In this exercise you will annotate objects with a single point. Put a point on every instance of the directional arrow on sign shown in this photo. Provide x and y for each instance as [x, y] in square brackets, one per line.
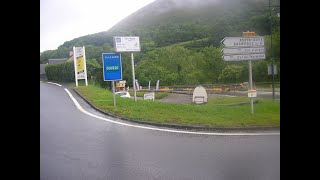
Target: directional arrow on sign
[251, 50]
[242, 57]
[243, 41]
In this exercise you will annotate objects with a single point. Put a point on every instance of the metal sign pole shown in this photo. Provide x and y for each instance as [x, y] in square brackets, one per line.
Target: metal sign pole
[85, 65]
[128, 44]
[133, 78]
[75, 65]
[272, 68]
[250, 85]
[114, 94]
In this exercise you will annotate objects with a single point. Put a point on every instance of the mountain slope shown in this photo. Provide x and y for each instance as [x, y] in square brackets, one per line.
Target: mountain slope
[166, 22]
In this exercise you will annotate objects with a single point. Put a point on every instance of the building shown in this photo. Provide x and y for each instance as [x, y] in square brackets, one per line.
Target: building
[42, 70]
[56, 61]
[50, 61]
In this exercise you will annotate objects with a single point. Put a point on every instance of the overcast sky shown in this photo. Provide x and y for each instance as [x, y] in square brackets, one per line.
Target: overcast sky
[64, 20]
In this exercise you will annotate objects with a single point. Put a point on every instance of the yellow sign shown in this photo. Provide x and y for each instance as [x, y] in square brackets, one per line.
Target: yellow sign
[248, 34]
[252, 93]
[80, 64]
[120, 84]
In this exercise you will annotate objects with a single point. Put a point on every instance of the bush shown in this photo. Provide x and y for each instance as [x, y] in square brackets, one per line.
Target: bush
[98, 78]
[62, 72]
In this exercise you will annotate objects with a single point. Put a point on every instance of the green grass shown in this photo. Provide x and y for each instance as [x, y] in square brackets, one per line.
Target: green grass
[216, 113]
[158, 95]
[81, 82]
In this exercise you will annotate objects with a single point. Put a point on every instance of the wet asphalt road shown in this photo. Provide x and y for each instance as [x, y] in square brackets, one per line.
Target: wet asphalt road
[75, 146]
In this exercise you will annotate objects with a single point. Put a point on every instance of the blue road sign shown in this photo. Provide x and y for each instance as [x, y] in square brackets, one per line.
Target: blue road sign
[112, 67]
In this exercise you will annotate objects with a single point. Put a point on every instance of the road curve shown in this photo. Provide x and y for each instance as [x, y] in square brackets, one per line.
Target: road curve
[75, 145]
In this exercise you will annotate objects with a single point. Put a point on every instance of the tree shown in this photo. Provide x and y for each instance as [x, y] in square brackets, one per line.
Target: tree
[149, 71]
[212, 64]
[231, 73]
[92, 65]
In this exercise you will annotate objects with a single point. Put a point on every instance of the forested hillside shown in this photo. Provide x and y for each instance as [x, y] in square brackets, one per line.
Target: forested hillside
[180, 40]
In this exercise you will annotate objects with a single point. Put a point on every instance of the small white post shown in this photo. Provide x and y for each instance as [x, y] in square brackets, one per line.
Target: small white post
[75, 66]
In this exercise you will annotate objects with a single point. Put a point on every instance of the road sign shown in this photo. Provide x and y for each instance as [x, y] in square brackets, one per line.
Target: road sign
[149, 96]
[112, 67]
[252, 93]
[250, 50]
[270, 69]
[241, 57]
[248, 34]
[80, 67]
[127, 44]
[243, 41]
[80, 61]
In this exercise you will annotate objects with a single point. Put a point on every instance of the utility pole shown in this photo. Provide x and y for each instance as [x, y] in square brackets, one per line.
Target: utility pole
[271, 48]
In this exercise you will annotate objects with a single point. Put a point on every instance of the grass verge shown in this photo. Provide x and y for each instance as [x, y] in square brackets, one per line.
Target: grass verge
[216, 113]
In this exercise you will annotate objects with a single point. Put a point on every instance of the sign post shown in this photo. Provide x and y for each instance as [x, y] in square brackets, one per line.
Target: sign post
[75, 66]
[250, 47]
[79, 61]
[250, 85]
[85, 65]
[157, 85]
[112, 69]
[114, 94]
[133, 78]
[128, 44]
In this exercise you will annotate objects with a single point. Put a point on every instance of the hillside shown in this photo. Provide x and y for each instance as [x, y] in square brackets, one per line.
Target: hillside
[166, 22]
[180, 27]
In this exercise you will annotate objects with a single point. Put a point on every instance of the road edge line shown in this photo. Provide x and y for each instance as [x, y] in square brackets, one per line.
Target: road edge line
[161, 129]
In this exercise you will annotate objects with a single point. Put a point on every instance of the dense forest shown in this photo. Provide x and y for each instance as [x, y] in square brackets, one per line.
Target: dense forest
[180, 41]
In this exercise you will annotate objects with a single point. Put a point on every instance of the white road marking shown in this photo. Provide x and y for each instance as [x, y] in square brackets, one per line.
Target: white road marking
[166, 130]
[54, 83]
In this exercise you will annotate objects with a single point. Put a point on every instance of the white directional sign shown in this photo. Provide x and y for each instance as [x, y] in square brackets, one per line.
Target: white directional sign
[243, 41]
[127, 44]
[240, 57]
[251, 50]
